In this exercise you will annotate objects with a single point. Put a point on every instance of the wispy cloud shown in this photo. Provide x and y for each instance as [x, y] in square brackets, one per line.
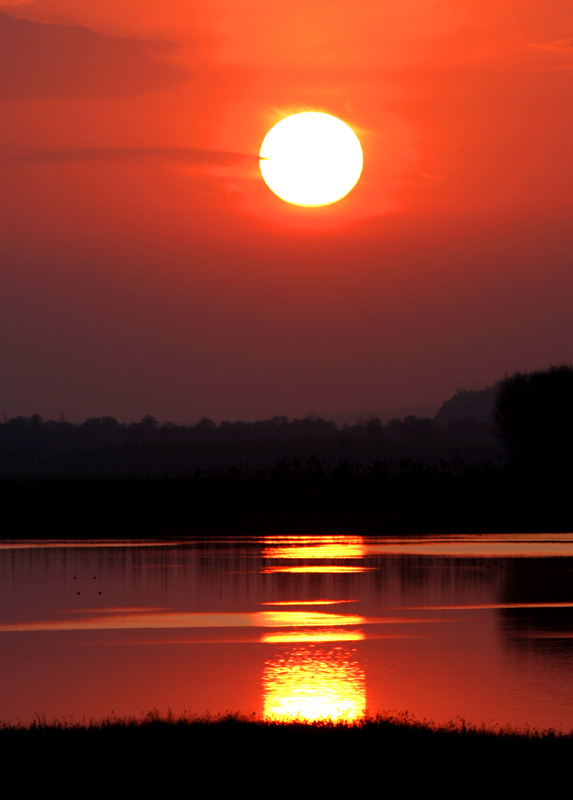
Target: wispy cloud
[47, 60]
[554, 46]
[184, 155]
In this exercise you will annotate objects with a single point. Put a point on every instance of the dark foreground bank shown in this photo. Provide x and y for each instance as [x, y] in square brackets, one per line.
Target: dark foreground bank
[404, 497]
[253, 757]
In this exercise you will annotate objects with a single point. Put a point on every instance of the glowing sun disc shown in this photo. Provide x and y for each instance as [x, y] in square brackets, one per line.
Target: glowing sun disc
[311, 159]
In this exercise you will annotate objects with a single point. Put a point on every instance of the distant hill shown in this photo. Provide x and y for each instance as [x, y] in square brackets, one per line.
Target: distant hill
[465, 405]
[341, 418]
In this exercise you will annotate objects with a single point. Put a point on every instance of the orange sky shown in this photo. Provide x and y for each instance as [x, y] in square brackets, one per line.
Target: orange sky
[145, 268]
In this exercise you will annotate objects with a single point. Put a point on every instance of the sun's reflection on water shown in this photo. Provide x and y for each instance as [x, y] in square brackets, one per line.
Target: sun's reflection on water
[314, 681]
[315, 547]
[315, 673]
[324, 568]
[333, 635]
[283, 619]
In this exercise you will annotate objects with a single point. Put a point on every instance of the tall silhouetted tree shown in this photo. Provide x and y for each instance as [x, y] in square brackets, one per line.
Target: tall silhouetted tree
[533, 416]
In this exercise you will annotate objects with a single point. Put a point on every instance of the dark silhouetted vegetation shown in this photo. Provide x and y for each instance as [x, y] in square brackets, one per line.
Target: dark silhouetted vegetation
[533, 415]
[104, 478]
[103, 446]
[382, 498]
[228, 753]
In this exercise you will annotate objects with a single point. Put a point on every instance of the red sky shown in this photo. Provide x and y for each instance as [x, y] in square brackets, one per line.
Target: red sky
[145, 268]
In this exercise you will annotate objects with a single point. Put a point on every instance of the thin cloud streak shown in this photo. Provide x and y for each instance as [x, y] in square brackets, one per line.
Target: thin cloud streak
[186, 155]
[555, 46]
[45, 60]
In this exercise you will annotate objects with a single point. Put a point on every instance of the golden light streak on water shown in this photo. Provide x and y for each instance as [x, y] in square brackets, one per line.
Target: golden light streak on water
[330, 635]
[539, 545]
[315, 547]
[83, 544]
[326, 568]
[311, 683]
[307, 619]
[305, 602]
[117, 619]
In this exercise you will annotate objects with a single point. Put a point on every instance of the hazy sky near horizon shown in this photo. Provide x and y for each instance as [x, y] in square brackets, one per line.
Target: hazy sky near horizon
[145, 267]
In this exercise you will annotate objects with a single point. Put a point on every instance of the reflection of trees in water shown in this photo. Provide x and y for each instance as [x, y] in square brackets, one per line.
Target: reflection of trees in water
[224, 575]
[436, 580]
[538, 580]
[395, 580]
[230, 576]
[543, 630]
[537, 634]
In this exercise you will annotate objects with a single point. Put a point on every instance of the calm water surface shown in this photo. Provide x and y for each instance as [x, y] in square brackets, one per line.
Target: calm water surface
[472, 627]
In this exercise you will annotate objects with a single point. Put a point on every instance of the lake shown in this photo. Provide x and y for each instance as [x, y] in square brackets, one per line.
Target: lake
[442, 627]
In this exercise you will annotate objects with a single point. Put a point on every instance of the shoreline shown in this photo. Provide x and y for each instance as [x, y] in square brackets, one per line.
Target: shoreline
[384, 724]
[410, 499]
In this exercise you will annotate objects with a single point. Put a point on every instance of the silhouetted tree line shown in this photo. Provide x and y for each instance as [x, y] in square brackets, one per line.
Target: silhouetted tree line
[103, 445]
[297, 476]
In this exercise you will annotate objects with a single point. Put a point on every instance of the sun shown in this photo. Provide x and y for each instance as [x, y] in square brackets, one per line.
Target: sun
[311, 159]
